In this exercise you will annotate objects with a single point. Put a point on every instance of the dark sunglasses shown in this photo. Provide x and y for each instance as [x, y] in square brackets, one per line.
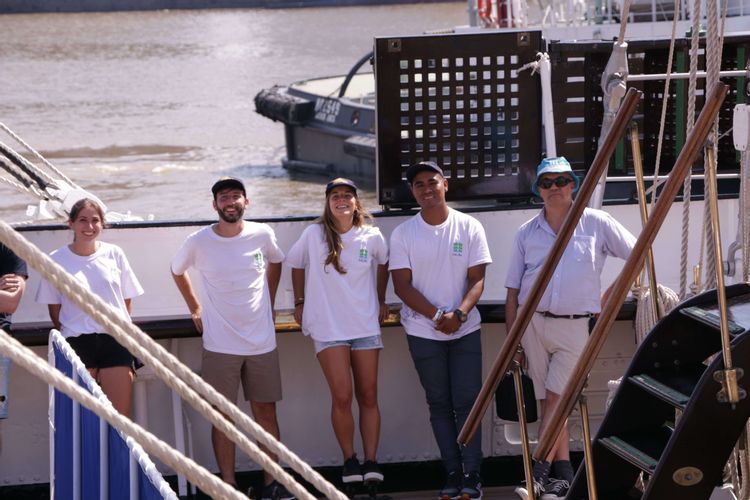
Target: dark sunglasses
[560, 181]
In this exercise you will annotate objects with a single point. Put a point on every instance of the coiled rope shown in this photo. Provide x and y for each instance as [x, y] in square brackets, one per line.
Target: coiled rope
[175, 375]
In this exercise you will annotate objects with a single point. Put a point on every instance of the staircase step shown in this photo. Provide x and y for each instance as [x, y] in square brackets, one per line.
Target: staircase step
[642, 448]
[674, 388]
[711, 318]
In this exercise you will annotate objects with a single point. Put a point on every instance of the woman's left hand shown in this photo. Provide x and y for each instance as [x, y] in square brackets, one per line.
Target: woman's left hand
[384, 312]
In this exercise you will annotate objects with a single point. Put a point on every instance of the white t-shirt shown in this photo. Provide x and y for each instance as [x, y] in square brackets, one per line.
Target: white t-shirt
[439, 258]
[340, 306]
[106, 273]
[237, 316]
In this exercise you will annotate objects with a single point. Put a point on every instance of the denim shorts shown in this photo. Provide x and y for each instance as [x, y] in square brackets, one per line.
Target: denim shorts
[361, 344]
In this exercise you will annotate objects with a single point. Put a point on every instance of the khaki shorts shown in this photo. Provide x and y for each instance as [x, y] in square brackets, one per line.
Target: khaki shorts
[260, 375]
[552, 347]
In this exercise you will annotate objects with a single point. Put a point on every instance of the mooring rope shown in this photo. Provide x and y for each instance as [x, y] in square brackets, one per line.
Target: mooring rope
[25, 358]
[177, 376]
[37, 154]
[688, 184]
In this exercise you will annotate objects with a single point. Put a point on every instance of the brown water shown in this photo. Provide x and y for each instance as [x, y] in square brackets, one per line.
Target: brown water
[147, 109]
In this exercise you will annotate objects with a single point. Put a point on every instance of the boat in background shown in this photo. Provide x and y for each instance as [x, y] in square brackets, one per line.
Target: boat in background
[329, 122]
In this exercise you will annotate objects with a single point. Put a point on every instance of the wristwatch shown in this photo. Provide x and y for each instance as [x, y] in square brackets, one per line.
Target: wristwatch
[462, 317]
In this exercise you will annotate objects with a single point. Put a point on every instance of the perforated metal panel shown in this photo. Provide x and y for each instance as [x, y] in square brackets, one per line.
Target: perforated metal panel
[458, 100]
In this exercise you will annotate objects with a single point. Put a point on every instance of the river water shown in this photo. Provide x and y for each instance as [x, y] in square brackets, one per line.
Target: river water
[147, 109]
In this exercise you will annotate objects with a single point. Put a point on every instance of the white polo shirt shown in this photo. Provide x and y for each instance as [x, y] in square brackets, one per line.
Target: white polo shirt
[340, 306]
[439, 258]
[575, 287]
[237, 316]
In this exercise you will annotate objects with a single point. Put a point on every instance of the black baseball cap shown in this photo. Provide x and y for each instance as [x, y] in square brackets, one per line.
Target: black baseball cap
[227, 183]
[340, 181]
[422, 166]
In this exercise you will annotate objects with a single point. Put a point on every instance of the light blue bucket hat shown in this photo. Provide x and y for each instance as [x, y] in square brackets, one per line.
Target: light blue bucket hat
[557, 165]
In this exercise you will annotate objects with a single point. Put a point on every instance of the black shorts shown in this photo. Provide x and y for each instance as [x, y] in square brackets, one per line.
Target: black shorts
[100, 350]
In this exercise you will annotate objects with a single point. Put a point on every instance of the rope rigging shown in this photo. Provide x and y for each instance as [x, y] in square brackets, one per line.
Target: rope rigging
[175, 375]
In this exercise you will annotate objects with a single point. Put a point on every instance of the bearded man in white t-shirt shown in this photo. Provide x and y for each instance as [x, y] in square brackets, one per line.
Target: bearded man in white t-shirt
[438, 261]
[239, 264]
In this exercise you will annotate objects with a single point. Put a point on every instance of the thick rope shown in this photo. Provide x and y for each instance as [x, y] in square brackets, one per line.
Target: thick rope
[136, 450]
[624, 21]
[687, 185]
[37, 154]
[25, 358]
[666, 300]
[664, 102]
[745, 213]
[177, 376]
[713, 66]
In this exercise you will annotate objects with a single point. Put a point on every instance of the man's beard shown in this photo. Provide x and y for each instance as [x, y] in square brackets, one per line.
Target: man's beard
[231, 218]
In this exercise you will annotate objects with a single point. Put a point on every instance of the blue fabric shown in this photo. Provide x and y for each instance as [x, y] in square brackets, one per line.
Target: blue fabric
[451, 375]
[63, 436]
[119, 466]
[90, 452]
[146, 489]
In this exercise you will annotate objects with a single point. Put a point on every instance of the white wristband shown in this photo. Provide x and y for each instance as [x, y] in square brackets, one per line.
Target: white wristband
[438, 314]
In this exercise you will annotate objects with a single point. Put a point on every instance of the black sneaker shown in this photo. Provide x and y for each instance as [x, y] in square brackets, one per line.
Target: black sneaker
[452, 487]
[555, 489]
[371, 471]
[523, 492]
[276, 491]
[351, 472]
[472, 486]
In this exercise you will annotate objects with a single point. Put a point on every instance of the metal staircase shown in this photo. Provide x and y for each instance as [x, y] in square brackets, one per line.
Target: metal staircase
[672, 373]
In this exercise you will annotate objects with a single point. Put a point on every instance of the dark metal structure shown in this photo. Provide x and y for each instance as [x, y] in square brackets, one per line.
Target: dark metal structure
[458, 99]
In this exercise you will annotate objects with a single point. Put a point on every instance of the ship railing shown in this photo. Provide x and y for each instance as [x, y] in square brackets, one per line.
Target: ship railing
[115, 465]
[619, 290]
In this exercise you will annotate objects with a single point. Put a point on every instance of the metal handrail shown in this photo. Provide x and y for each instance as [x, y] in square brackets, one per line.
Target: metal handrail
[630, 270]
[513, 340]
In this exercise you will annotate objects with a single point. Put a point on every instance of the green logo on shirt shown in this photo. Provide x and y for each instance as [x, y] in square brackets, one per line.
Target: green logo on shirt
[258, 260]
[363, 254]
[458, 249]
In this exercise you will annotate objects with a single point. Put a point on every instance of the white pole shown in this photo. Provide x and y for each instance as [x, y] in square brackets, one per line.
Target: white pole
[103, 459]
[548, 116]
[178, 424]
[51, 420]
[76, 433]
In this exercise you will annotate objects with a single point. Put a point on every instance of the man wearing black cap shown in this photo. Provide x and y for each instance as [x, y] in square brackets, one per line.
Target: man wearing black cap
[438, 260]
[239, 264]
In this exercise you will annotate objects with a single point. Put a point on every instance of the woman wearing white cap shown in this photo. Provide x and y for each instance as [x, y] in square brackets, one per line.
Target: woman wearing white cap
[340, 304]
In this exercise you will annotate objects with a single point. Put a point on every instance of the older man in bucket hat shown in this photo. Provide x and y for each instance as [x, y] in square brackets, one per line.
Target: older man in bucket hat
[558, 329]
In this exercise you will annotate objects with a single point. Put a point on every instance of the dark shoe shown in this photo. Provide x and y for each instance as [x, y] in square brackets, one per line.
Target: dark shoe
[555, 489]
[472, 487]
[523, 492]
[371, 471]
[452, 487]
[351, 472]
[276, 491]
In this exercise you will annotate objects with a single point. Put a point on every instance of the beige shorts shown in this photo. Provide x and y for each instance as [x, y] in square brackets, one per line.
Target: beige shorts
[552, 347]
[260, 375]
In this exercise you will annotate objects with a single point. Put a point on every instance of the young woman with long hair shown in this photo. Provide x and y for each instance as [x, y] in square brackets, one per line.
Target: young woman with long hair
[340, 303]
[105, 270]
